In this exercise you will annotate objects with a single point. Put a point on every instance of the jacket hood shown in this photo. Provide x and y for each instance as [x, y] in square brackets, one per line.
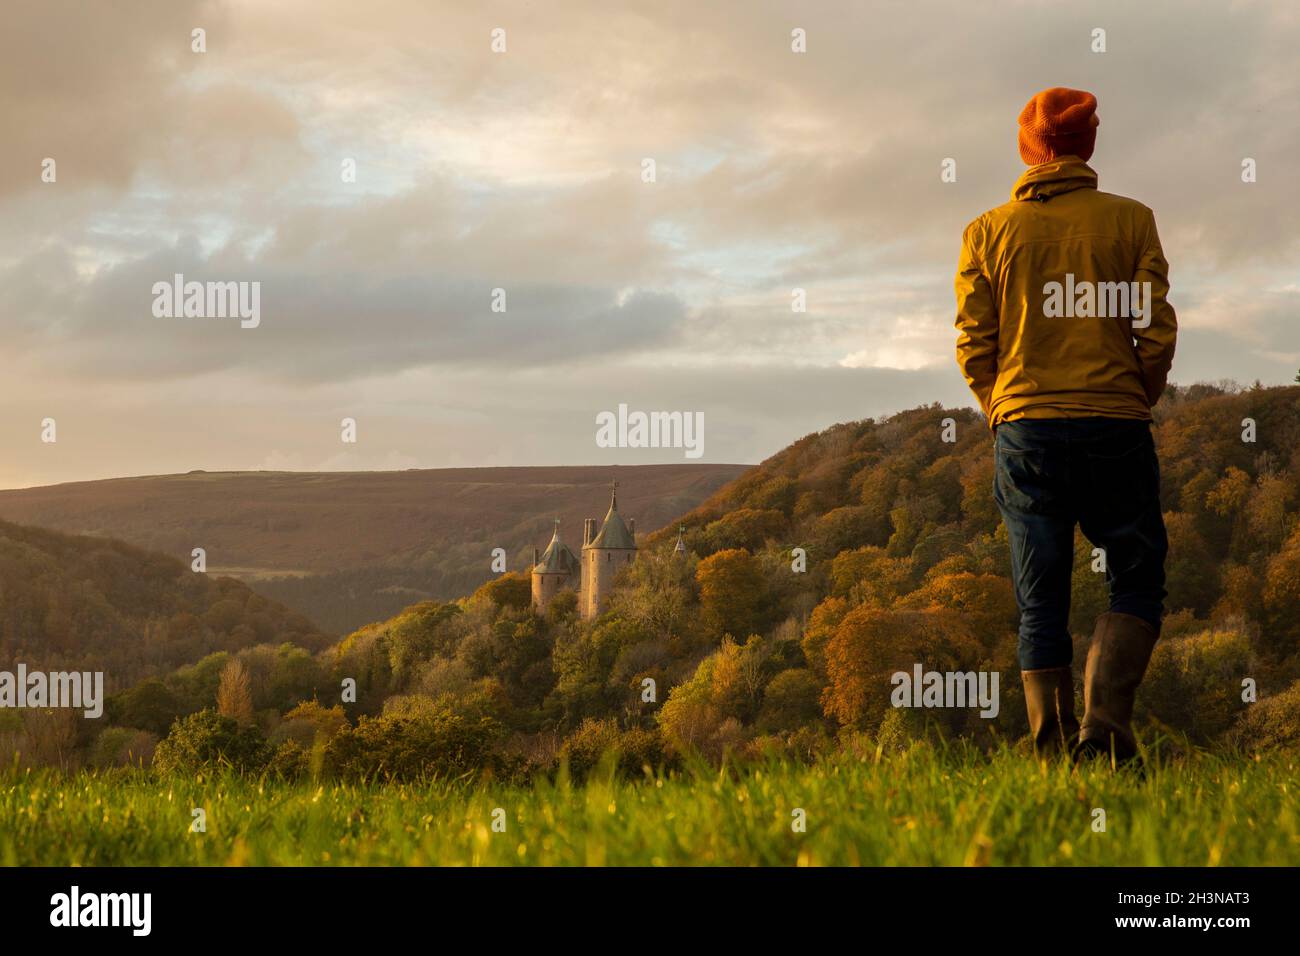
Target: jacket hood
[1062, 175]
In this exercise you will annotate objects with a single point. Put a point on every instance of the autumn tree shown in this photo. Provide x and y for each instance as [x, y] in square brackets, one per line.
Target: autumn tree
[1227, 497]
[869, 575]
[823, 621]
[851, 526]
[657, 593]
[987, 601]
[689, 718]
[870, 645]
[1191, 574]
[941, 483]
[732, 592]
[979, 510]
[1268, 516]
[234, 694]
[1282, 591]
[744, 528]
[738, 677]
[706, 713]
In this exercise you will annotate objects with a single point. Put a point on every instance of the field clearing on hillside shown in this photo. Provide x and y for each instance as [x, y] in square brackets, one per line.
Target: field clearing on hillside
[919, 808]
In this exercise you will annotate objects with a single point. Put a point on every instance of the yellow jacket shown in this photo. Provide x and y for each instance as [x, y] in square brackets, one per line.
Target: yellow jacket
[1054, 314]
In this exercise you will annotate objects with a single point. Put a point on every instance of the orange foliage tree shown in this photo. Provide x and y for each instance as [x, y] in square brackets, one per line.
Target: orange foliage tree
[732, 592]
[871, 644]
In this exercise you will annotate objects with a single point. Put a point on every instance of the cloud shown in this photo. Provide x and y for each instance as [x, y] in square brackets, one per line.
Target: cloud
[522, 171]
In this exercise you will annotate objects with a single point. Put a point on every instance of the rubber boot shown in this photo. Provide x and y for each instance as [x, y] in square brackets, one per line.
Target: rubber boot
[1117, 658]
[1049, 700]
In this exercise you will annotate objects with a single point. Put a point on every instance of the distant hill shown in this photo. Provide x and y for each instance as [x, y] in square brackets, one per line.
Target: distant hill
[347, 548]
[94, 604]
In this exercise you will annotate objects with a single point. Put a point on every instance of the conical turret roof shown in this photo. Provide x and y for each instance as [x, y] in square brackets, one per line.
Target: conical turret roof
[613, 532]
[558, 557]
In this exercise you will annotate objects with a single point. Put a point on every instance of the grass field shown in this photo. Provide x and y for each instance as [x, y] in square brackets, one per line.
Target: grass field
[919, 808]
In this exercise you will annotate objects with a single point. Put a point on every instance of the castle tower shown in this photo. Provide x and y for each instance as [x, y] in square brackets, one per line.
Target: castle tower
[557, 569]
[604, 554]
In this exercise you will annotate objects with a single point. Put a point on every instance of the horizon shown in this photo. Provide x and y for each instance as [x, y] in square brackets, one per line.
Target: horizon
[376, 471]
[968, 406]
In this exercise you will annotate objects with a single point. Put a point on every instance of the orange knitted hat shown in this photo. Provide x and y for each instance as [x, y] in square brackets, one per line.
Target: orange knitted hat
[1058, 122]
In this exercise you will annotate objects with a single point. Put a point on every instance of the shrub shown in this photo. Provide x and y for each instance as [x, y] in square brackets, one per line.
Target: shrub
[206, 740]
[800, 746]
[438, 743]
[289, 761]
[634, 750]
[123, 747]
[309, 723]
[1273, 722]
[1194, 683]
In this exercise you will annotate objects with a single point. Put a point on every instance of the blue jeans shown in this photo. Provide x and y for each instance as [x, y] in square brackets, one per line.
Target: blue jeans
[1101, 473]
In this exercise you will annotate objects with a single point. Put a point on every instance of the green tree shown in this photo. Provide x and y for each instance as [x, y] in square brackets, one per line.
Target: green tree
[149, 705]
[792, 699]
[514, 589]
[207, 740]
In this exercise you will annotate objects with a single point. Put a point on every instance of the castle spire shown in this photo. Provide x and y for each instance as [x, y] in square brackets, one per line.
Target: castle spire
[614, 532]
[605, 552]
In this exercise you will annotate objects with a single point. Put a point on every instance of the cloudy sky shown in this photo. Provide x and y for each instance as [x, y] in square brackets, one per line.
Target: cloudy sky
[522, 171]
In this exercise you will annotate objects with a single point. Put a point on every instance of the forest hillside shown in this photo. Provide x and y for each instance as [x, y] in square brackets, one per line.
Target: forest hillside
[858, 552]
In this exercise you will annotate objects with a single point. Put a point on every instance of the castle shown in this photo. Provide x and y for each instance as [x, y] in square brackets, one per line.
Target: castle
[604, 552]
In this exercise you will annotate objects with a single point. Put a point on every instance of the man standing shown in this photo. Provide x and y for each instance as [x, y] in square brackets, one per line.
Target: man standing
[1066, 339]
